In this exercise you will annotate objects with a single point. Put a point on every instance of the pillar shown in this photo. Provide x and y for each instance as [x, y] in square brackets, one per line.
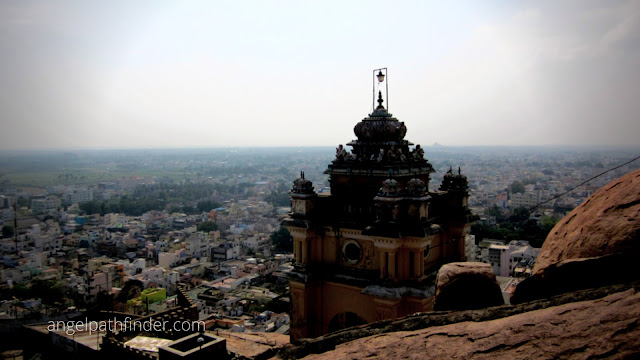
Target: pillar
[298, 251]
[304, 251]
[392, 264]
[383, 264]
[418, 264]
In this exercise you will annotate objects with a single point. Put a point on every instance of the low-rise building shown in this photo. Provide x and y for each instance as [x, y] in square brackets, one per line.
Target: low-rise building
[504, 258]
[43, 206]
[527, 199]
[226, 251]
[78, 196]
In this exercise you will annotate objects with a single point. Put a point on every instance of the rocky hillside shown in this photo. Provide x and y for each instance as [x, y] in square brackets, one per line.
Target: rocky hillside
[594, 329]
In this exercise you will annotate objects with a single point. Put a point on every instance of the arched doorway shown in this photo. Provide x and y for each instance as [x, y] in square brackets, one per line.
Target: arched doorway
[345, 320]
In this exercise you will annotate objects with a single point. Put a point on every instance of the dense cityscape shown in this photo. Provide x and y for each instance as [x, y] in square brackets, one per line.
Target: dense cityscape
[127, 231]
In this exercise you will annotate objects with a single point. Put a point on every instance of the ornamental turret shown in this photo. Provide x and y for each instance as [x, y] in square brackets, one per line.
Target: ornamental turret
[302, 197]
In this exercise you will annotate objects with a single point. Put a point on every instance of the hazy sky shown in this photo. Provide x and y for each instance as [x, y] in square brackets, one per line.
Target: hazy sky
[139, 74]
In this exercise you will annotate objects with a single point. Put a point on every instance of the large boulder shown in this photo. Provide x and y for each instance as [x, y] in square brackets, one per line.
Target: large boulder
[596, 244]
[466, 286]
[606, 223]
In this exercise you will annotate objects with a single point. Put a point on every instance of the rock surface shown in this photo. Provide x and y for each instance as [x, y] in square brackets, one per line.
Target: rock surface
[576, 274]
[466, 286]
[602, 328]
[606, 223]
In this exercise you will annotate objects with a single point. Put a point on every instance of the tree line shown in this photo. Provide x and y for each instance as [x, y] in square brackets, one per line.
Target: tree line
[185, 198]
[517, 226]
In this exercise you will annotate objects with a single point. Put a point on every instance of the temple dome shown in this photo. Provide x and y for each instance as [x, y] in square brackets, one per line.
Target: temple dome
[453, 181]
[416, 187]
[390, 187]
[302, 185]
[380, 126]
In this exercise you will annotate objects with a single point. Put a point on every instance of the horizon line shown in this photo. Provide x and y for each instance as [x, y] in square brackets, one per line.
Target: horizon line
[432, 146]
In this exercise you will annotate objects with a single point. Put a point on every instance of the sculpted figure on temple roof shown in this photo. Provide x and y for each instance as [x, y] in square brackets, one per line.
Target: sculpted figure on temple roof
[418, 153]
[341, 153]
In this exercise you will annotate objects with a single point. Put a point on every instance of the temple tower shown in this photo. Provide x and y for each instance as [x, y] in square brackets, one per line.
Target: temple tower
[370, 250]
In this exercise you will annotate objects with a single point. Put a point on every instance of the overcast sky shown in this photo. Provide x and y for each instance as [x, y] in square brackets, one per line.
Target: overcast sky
[157, 74]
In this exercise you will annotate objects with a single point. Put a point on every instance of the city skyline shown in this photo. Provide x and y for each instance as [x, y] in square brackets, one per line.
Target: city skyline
[173, 75]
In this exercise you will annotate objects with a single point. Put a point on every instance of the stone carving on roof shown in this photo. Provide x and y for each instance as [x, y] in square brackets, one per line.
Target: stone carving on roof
[416, 188]
[390, 187]
[341, 153]
[417, 153]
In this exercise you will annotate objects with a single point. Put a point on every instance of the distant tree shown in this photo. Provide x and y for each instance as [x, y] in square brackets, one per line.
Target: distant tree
[256, 308]
[188, 209]
[130, 290]
[518, 226]
[49, 291]
[516, 187]
[7, 231]
[480, 230]
[530, 229]
[92, 207]
[207, 226]
[282, 240]
[207, 205]
[23, 201]
[520, 214]
[243, 186]
[548, 222]
[496, 212]
[278, 199]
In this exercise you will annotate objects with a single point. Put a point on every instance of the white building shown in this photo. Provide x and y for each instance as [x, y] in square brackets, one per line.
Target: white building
[470, 248]
[197, 245]
[167, 260]
[99, 282]
[95, 264]
[527, 200]
[6, 215]
[499, 259]
[159, 277]
[78, 196]
[37, 258]
[14, 275]
[5, 202]
[8, 245]
[137, 265]
[257, 243]
[503, 258]
[47, 243]
[112, 219]
[226, 251]
[43, 206]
